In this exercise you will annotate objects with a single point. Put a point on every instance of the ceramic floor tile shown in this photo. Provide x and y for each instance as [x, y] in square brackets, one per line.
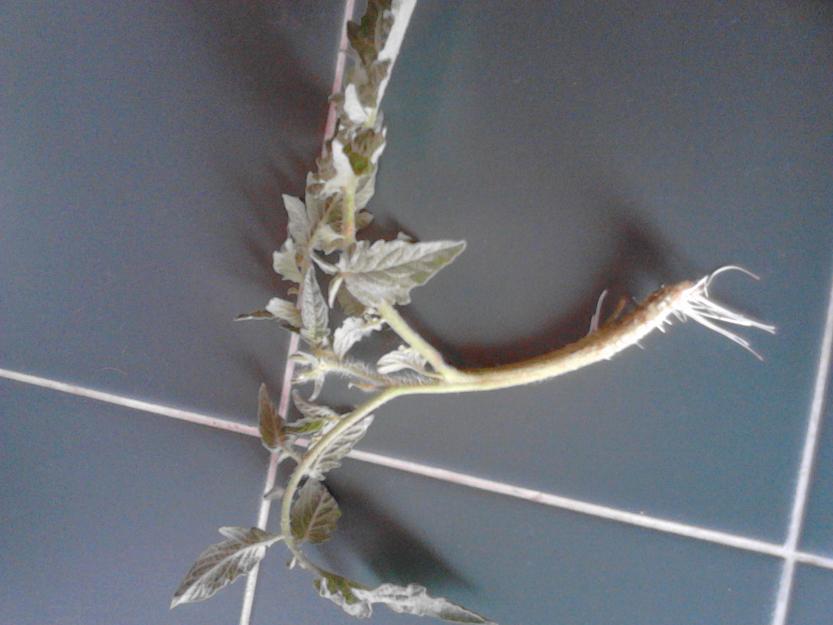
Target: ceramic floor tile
[105, 509]
[625, 147]
[146, 150]
[812, 602]
[515, 562]
[817, 534]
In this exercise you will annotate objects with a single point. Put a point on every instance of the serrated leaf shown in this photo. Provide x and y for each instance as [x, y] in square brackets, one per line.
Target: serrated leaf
[353, 330]
[281, 311]
[335, 285]
[315, 417]
[402, 358]
[222, 563]
[342, 167]
[304, 426]
[414, 599]
[332, 457]
[314, 513]
[386, 271]
[255, 314]
[357, 600]
[349, 304]
[285, 311]
[314, 314]
[354, 110]
[327, 239]
[299, 225]
[270, 422]
[284, 262]
[313, 411]
[341, 591]
[314, 371]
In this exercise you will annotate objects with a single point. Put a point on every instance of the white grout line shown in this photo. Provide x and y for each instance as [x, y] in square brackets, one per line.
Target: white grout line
[455, 477]
[805, 471]
[815, 560]
[262, 520]
[137, 404]
[576, 505]
[286, 385]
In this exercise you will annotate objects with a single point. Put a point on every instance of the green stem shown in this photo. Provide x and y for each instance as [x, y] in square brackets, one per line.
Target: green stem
[348, 214]
[312, 456]
[357, 371]
[604, 343]
[415, 340]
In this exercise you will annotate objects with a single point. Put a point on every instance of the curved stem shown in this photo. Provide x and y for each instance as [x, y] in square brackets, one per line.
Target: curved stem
[601, 344]
[309, 460]
[348, 214]
[355, 370]
[415, 340]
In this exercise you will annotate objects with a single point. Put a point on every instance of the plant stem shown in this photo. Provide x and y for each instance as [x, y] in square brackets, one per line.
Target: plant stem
[348, 215]
[610, 339]
[356, 370]
[309, 460]
[415, 340]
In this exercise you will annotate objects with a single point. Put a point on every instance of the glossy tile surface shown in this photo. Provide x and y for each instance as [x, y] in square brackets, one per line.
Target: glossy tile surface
[146, 150]
[813, 599]
[817, 535]
[105, 509]
[575, 148]
[620, 147]
[518, 562]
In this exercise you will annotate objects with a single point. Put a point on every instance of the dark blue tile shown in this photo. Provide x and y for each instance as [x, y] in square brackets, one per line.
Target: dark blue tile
[146, 150]
[812, 601]
[817, 533]
[516, 562]
[622, 146]
[105, 509]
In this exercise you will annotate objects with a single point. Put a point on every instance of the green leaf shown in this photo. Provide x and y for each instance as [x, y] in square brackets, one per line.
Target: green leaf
[332, 457]
[414, 599]
[357, 600]
[304, 426]
[315, 417]
[277, 309]
[314, 513]
[310, 369]
[371, 31]
[402, 358]
[349, 304]
[313, 411]
[270, 422]
[358, 162]
[222, 563]
[341, 591]
[299, 224]
[386, 271]
[285, 263]
[314, 314]
[285, 311]
[353, 330]
[255, 314]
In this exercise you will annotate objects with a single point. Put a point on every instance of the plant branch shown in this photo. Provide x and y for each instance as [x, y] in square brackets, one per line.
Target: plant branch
[309, 459]
[355, 370]
[678, 301]
[415, 340]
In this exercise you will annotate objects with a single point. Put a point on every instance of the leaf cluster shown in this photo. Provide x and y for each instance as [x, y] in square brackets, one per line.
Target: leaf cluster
[361, 279]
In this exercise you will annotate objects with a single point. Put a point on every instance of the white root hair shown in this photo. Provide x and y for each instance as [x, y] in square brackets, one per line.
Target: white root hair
[696, 304]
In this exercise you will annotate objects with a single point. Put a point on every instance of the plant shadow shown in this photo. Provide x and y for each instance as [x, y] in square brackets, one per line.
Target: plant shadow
[392, 552]
[641, 261]
[258, 47]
